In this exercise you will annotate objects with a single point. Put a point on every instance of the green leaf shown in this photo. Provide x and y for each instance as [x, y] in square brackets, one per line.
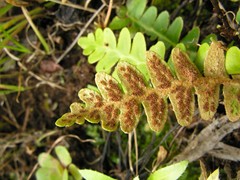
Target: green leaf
[162, 22]
[124, 41]
[214, 175]
[201, 55]
[75, 172]
[136, 7]
[47, 161]
[103, 49]
[65, 175]
[232, 62]
[208, 39]
[159, 48]
[118, 23]
[138, 50]
[63, 155]
[139, 17]
[238, 16]
[136, 178]
[171, 172]
[92, 175]
[45, 173]
[191, 39]
[174, 30]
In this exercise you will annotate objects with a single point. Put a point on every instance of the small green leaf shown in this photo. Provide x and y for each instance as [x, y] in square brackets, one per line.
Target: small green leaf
[136, 7]
[232, 62]
[238, 16]
[109, 38]
[209, 38]
[159, 48]
[139, 47]
[162, 21]
[74, 172]
[45, 173]
[124, 41]
[93, 175]
[47, 161]
[174, 30]
[65, 175]
[201, 55]
[63, 155]
[191, 39]
[118, 23]
[136, 178]
[150, 12]
[171, 172]
[214, 175]
[96, 55]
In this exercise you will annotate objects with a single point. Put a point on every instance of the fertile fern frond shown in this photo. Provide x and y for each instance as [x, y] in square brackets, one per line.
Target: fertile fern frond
[138, 17]
[113, 105]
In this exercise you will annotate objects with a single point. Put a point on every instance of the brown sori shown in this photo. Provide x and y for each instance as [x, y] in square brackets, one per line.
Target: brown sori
[124, 103]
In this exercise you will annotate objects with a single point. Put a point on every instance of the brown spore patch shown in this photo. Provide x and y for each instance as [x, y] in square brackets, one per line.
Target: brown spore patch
[94, 115]
[114, 92]
[110, 113]
[184, 99]
[130, 114]
[133, 80]
[185, 69]
[160, 74]
[206, 106]
[104, 83]
[157, 104]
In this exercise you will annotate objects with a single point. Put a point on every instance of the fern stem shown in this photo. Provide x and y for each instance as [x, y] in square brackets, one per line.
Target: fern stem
[130, 152]
[136, 149]
[152, 30]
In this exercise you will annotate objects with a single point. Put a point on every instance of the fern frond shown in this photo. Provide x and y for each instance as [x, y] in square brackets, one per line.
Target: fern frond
[113, 105]
[103, 48]
[138, 17]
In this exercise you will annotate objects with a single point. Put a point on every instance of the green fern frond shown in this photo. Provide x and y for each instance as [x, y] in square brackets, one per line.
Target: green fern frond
[102, 48]
[138, 17]
[112, 105]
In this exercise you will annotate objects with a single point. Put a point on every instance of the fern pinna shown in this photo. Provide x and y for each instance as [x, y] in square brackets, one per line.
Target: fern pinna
[114, 105]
